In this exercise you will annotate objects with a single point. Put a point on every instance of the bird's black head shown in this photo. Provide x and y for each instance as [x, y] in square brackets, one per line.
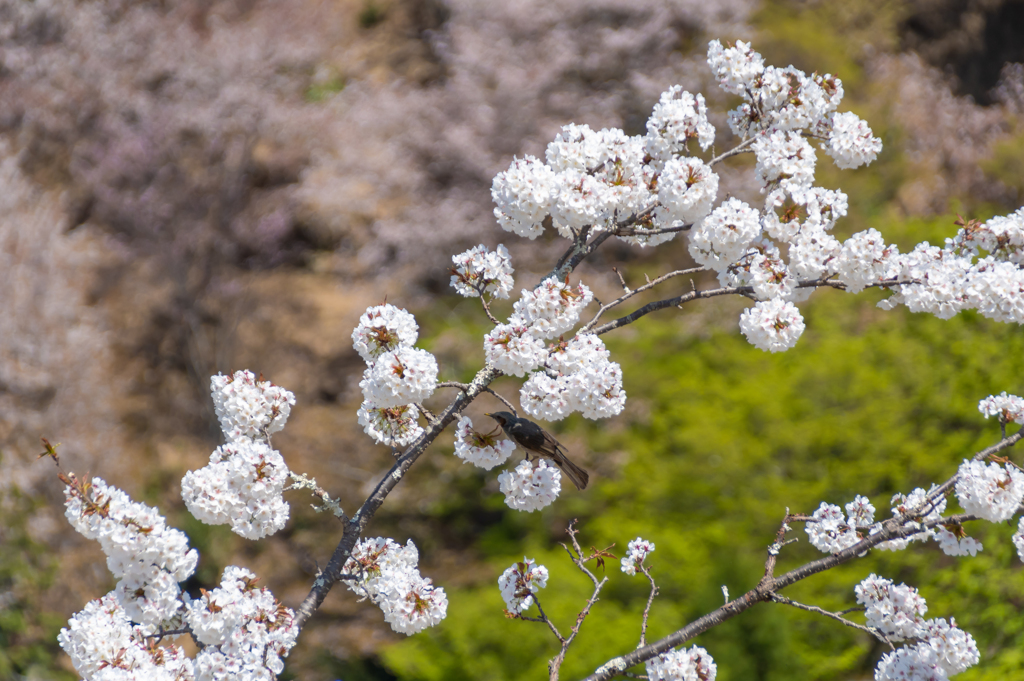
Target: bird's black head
[503, 418]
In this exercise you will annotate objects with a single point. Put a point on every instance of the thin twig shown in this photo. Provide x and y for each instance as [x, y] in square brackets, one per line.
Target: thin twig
[621, 280]
[578, 560]
[630, 293]
[545, 619]
[487, 310]
[738, 149]
[465, 386]
[642, 231]
[747, 291]
[813, 608]
[647, 610]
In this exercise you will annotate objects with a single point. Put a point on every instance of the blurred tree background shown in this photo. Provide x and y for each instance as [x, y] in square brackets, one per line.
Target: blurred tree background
[197, 187]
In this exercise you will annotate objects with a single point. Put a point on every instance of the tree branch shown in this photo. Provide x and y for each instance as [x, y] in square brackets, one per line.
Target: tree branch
[766, 590]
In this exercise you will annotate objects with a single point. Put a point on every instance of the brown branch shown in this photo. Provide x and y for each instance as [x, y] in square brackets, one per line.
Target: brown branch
[747, 291]
[630, 293]
[738, 149]
[355, 526]
[556, 662]
[647, 610]
[766, 590]
[580, 249]
[543, 618]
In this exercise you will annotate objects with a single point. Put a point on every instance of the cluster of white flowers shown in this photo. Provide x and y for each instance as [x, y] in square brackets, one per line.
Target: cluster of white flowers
[786, 160]
[604, 180]
[551, 309]
[392, 426]
[513, 350]
[694, 664]
[478, 271]
[520, 582]
[387, 573]
[579, 377]
[913, 508]
[485, 450]
[249, 408]
[677, 118]
[956, 543]
[723, 237]
[242, 486]
[851, 143]
[400, 377]
[864, 259]
[569, 376]
[383, 328]
[1005, 407]
[1001, 236]
[787, 99]
[831, 531]
[102, 643]
[898, 612]
[397, 375]
[772, 325]
[599, 178]
[989, 491]
[148, 557]
[530, 486]
[636, 552]
[243, 629]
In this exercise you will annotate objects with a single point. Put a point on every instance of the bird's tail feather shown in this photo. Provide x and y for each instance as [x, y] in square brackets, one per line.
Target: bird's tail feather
[577, 475]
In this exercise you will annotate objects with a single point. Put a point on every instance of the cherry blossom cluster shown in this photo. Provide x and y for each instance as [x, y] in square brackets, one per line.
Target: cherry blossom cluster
[103, 643]
[568, 376]
[478, 271]
[392, 426]
[598, 178]
[148, 557]
[897, 612]
[636, 552]
[245, 632]
[387, 574]
[485, 450]
[990, 491]
[1005, 407]
[604, 180]
[579, 377]
[243, 483]
[520, 582]
[694, 664]
[830, 531]
[384, 328]
[242, 486]
[531, 485]
[397, 375]
[249, 408]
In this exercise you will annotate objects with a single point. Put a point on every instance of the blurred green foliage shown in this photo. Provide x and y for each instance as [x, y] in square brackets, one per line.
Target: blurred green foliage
[28, 632]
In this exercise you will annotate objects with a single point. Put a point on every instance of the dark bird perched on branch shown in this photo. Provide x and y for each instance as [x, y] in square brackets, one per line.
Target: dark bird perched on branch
[536, 440]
